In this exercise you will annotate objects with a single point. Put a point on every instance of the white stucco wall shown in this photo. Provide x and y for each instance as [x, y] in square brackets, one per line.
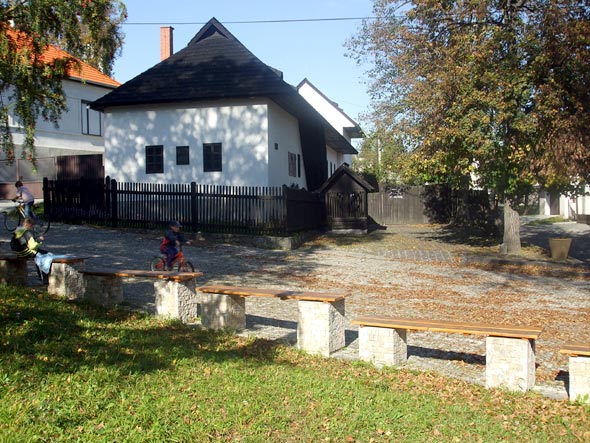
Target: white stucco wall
[284, 137]
[335, 159]
[67, 136]
[327, 109]
[241, 128]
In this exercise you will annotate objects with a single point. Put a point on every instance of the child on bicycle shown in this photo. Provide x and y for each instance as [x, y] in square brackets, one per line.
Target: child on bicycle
[26, 197]
[171, 243]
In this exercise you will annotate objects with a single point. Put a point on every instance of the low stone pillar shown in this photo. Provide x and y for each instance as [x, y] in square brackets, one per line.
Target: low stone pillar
[221, 311]
[579, 385]
[176, 299]
[510, 363]
[65, 279]
[321, 326]
[103, 290]
[383, 346]
[13, 271]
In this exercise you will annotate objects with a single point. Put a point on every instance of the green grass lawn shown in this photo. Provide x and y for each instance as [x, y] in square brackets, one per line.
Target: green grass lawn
[71, 372]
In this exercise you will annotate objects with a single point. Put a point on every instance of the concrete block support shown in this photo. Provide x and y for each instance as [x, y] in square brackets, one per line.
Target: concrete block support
[321, 326]
[13, 272]
[383, 346]
[579, 387]
[220, 311]
[510, 363]
[105, 291]
[66, 281]
[176, 299]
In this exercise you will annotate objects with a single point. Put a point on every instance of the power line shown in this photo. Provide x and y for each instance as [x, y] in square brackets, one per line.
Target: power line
[242, 22]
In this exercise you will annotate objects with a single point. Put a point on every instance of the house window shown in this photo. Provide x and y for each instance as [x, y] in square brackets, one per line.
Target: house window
[182, 155]
[212, 157]
[292, 165]
[298, 165]
[91, 120]
[154, 159]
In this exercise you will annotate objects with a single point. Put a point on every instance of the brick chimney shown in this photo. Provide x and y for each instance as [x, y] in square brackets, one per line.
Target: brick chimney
[166, 43]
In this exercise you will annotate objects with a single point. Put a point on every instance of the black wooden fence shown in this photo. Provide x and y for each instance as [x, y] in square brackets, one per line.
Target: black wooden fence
[206, 208]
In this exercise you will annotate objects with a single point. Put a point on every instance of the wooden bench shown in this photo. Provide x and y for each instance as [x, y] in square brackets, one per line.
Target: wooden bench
[320, 325]
[579, 369]
[175, 292]
[510, 350]
[63, 275]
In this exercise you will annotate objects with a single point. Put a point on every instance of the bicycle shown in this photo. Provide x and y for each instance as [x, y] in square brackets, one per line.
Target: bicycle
[14, 218]
[179, 264]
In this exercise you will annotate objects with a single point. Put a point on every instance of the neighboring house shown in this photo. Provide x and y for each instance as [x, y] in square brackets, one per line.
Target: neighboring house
[215, 114]
[79, 130]
[573, 208]
[336, 117]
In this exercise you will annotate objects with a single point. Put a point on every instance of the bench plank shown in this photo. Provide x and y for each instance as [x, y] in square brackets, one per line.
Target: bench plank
[575, 350]
[243, 291]
[175, 276]
[449, 326]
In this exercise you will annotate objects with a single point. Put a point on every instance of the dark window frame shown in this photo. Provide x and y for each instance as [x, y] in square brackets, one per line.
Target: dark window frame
[154, 159]
[212, 157]
[86, 114]
[183, 155]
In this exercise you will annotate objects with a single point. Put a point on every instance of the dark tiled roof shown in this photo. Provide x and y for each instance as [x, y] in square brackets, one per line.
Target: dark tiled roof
[215, 65]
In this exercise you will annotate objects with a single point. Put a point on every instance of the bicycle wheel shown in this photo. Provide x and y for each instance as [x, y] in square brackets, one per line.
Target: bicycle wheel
[158, 264]
[42, 224]
[187, 267]
[12, 220]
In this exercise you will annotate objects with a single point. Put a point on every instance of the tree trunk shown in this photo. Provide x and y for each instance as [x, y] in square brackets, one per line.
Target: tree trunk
[511, 230]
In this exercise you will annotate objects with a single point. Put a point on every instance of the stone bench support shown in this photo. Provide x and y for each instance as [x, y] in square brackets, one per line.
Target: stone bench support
[579, 386]
[65, 279]
[321, 326]
[176, 299]
[103, 290]
[13, 271]
[579, 369]
[510, 363]
[383, 346]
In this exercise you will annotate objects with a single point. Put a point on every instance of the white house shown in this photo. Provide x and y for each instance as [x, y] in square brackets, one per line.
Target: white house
[79, 130]
[336, 117]
[214, 113]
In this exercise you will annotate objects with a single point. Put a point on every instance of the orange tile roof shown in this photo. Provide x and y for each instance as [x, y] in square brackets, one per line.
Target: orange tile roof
[83, 71]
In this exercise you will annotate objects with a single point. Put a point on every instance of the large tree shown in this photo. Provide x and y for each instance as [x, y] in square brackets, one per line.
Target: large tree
[491, 93]
[30, 82]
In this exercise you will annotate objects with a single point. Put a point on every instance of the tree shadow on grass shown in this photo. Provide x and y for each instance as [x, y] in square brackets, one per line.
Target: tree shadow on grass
[43, 335]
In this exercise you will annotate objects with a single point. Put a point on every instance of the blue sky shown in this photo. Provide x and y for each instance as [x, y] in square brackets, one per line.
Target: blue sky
[313, 50]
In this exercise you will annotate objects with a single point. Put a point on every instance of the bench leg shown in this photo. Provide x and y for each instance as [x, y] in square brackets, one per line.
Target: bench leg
[13, 272]
[220, 311]
[105, 291]
[65, 280]
[383, 346]
[176, 299]
[510, 363]
[321, 326]
[579, 386]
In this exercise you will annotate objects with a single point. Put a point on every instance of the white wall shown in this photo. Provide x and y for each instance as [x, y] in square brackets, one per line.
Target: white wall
[52, 140]
[327, 109]
[284, 138]
[241, 128]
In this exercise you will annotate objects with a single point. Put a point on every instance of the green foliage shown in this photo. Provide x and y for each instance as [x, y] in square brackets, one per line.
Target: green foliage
[31, 85]
[71, 372]
[494, 93]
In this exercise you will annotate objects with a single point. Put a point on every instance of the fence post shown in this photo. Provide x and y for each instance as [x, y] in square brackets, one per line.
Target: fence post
[114, 212]
[194, 214]
[285, 221]
[46, 197]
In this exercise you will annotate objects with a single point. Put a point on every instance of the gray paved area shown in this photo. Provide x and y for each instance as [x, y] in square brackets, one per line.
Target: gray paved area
[406, 271]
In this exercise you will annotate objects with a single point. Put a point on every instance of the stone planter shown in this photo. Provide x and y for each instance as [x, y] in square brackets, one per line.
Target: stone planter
[559, 248]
